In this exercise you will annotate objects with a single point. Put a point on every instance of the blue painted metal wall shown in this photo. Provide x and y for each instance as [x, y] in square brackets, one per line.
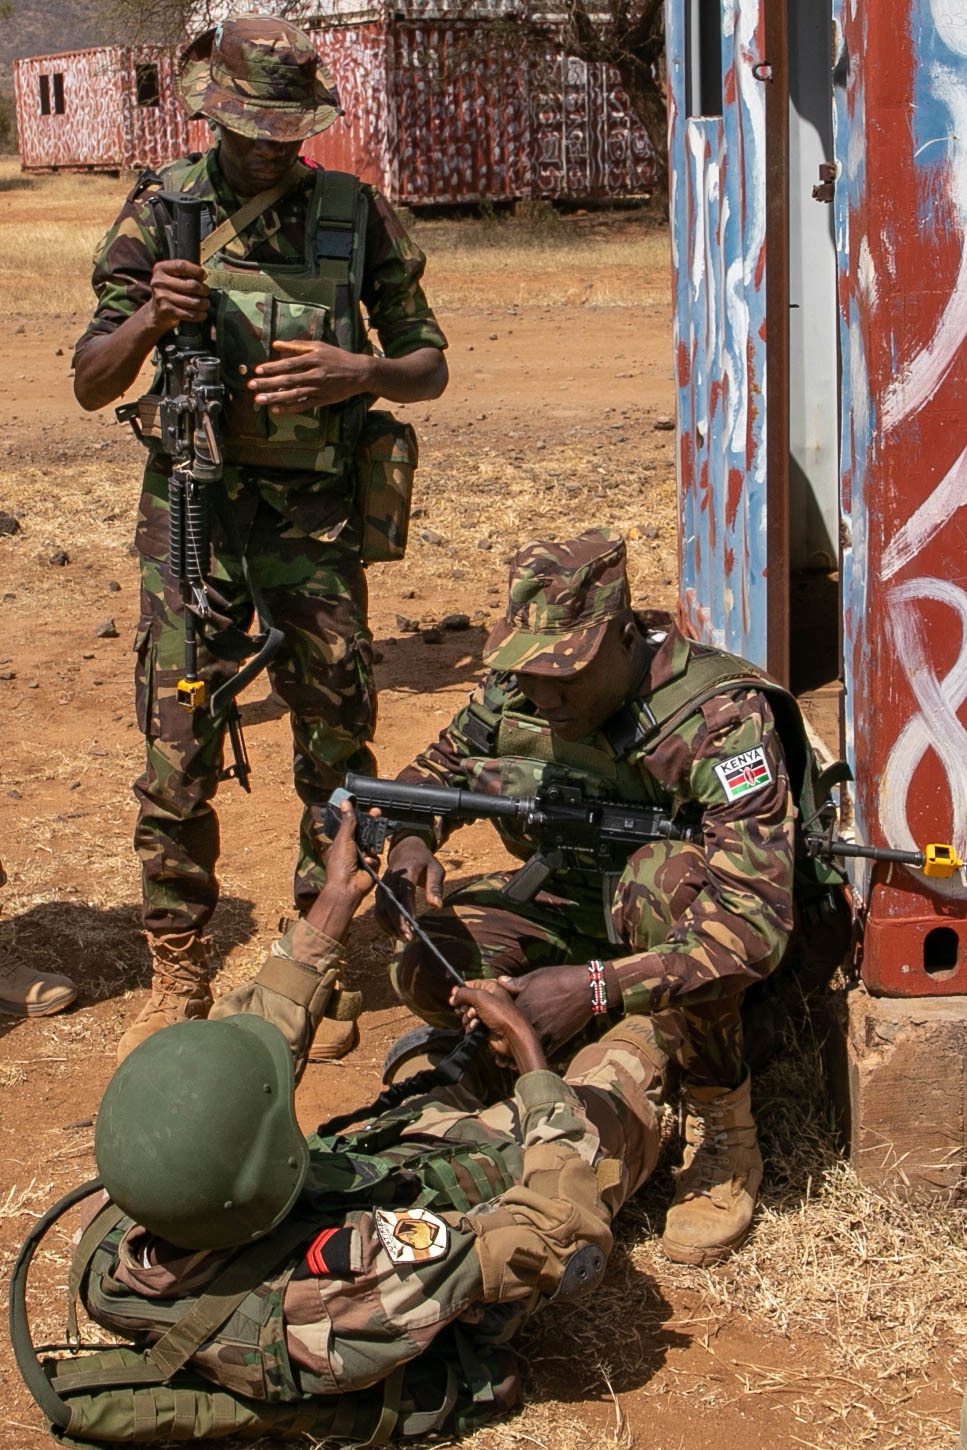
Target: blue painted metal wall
[718, 230]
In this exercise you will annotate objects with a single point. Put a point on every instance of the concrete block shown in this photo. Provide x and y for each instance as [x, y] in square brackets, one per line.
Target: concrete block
[906, 1079]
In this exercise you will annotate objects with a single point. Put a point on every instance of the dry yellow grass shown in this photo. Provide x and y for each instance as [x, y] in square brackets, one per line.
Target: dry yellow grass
[45, 255]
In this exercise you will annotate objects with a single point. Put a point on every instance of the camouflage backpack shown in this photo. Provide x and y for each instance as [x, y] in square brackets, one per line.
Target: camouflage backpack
[146, 1391]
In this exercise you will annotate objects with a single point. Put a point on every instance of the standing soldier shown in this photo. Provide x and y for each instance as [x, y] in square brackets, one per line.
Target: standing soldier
[295, 247]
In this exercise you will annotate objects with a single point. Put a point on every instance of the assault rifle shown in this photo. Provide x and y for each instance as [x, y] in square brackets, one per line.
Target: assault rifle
[937, 860]
[563, 821]
[188, 412]
[565, 824]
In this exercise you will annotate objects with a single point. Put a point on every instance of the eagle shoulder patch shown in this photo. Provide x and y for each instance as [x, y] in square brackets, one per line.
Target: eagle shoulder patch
[744, 774]
[412, 1235]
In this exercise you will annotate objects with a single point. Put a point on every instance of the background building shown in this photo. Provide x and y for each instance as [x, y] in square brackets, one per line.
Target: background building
[437, 110]
[819, 219]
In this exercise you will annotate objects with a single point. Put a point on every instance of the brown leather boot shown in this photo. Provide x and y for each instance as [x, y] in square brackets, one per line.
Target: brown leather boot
[719, 1177]
[182, 964]
[25, 992]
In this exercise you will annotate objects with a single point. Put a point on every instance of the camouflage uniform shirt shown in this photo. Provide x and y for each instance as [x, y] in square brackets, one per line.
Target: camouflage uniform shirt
[391, 291]
[734, 930]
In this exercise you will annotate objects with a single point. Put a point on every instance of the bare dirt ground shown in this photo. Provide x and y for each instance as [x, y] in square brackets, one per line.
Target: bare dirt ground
[840, 1324]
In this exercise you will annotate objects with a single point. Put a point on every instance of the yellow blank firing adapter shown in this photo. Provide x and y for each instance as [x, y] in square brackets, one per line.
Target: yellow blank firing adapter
[191, 694]
[941, 861]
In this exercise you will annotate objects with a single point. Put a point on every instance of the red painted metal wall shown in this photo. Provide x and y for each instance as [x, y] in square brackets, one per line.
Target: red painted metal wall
[362, 140]
[901, 77]
[102, 126]
[437, 112]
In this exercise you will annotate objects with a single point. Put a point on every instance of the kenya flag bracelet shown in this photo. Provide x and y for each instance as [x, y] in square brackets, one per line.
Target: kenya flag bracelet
[599, 992]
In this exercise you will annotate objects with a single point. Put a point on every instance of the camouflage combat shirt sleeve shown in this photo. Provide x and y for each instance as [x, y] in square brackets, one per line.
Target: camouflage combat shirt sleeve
[737, 927]
[407, 1273]
[392, 290]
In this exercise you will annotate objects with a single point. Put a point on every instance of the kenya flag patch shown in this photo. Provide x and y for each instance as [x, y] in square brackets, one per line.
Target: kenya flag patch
[744, 773]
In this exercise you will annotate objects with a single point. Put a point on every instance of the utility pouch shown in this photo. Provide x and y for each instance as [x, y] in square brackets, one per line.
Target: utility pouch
[385, 462]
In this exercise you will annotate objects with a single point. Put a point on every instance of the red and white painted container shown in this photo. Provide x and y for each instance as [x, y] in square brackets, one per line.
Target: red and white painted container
[438, 111]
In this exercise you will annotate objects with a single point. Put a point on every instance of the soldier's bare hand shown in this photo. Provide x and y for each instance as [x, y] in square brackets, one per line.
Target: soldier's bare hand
[346, 883]
[343, 866]
[409, 865]
[509, 1034]
[178, 293]
[555, 1000]
[306, 375]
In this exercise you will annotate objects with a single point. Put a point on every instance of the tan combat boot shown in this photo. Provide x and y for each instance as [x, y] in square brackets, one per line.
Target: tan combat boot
[181, 968]
[719, 1177]
[25, 992]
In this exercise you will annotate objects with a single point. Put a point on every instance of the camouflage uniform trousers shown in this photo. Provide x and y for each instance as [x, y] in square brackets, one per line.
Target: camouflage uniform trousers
[316, 594]
[483, 934]
[617, 1079]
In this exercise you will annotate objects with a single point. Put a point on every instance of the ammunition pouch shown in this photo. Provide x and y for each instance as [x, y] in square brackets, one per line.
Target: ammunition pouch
[384, 464]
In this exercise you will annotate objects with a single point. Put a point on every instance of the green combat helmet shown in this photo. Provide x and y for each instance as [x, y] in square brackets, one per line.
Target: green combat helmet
[196, 1136]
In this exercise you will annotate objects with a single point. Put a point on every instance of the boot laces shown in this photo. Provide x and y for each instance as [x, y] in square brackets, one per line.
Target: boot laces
[11, 963]
[711, 1143]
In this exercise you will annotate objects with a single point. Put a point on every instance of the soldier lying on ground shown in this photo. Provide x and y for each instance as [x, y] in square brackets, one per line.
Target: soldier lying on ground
[584, 691]
[393, 1264]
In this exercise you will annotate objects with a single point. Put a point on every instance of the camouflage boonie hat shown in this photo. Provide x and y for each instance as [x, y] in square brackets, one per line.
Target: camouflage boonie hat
[261, 77]
[562, 598]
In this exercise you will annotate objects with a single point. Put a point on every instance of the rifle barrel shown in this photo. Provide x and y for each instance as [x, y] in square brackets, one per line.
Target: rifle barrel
[432, 800]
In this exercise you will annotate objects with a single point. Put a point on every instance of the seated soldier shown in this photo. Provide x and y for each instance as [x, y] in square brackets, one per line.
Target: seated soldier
[381, 1271]
[583, 690]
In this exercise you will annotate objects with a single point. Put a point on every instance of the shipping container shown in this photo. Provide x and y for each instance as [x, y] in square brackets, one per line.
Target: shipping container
[104, 109]
[437, 111]
[819, 230]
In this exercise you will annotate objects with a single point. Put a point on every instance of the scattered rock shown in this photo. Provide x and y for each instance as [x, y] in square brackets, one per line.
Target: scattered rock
[408, 594]
[107, 630]
[431, 636]
[90, 656]
[652, 532]
[664, 425]
[407, 626]
[75, 785]
[59, 557]
[19, 330]
[485, 544]
[430, 536]
[15, 795]
[455, 621]
[378, 656]
[33, 684]
[114, 587]
[58, 352]
[9, 524]
[8, 675]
